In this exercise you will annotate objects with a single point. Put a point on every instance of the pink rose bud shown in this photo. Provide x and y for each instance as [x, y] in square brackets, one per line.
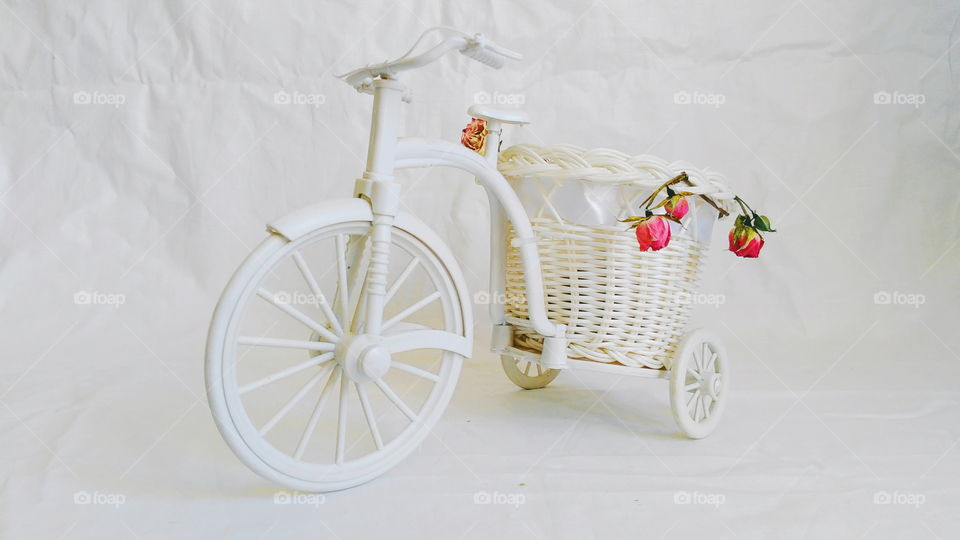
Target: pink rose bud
[677, 206]
[653, 233]
[745, 242]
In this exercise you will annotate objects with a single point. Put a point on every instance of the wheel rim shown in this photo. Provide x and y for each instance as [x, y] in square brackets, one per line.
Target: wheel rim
[526, 373]
[699, 384]
[347, 435]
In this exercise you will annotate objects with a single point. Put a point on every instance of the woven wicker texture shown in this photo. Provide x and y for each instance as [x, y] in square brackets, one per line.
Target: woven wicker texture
[619, 304]
[602, 165]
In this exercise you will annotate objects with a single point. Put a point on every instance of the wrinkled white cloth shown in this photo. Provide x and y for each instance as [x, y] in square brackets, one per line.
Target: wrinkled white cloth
[143, 146]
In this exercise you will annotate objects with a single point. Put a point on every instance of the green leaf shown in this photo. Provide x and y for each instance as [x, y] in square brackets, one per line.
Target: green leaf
[762, 223]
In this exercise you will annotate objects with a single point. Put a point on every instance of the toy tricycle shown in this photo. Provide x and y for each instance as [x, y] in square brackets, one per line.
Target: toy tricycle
[338, 342]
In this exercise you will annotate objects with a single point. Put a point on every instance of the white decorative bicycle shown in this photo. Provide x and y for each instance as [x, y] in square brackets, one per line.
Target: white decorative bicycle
[338, 342]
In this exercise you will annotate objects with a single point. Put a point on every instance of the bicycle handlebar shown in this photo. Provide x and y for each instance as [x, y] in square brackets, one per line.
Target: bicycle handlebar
[476, 47]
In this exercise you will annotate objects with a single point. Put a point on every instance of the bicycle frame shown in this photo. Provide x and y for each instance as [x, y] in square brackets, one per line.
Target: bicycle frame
[388, 152]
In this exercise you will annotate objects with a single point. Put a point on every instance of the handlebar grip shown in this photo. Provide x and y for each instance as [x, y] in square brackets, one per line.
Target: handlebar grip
[484, 55]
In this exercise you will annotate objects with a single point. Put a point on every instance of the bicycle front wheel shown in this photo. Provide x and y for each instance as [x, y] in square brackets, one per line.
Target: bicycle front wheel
[282, 394]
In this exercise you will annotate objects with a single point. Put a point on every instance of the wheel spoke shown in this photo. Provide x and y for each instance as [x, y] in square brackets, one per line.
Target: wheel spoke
[413, 370]
[315, 416]
[368, 413]
[694, 373]
[692, 401]
[322, 346]
[712, 364]
[411, 310]
[358, 308]
[342, 418]
[315, 289]
[293, 401]
[298, 315]
[315, 361]
[343, 289]
[401, 279]
[359, 285]
[539, 371]
[691, 386]
[392, 396]
[526, 369]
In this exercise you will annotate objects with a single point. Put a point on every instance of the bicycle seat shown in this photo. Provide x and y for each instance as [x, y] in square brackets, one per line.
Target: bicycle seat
[506, 116]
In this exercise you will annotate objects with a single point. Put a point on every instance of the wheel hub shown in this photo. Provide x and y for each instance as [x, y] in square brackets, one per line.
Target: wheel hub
[363, 357]
[711, 384]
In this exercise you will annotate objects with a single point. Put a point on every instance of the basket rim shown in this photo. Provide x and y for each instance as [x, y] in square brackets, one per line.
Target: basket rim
[605, 166]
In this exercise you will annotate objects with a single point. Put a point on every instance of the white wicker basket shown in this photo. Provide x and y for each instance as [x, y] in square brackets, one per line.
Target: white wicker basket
[619, 304]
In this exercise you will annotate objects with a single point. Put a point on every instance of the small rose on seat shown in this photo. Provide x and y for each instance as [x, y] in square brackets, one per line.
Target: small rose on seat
[475, 135]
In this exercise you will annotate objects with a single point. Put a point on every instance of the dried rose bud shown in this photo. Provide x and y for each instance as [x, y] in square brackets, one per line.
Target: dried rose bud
[745, 241]
[475, 135]
[677, 206]
[653, 233]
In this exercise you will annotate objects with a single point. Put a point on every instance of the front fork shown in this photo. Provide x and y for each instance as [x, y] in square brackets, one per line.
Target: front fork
[380, 189]
[368, 258]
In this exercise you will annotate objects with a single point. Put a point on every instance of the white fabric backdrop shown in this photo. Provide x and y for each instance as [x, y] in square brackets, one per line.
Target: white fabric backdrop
[142, 151]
